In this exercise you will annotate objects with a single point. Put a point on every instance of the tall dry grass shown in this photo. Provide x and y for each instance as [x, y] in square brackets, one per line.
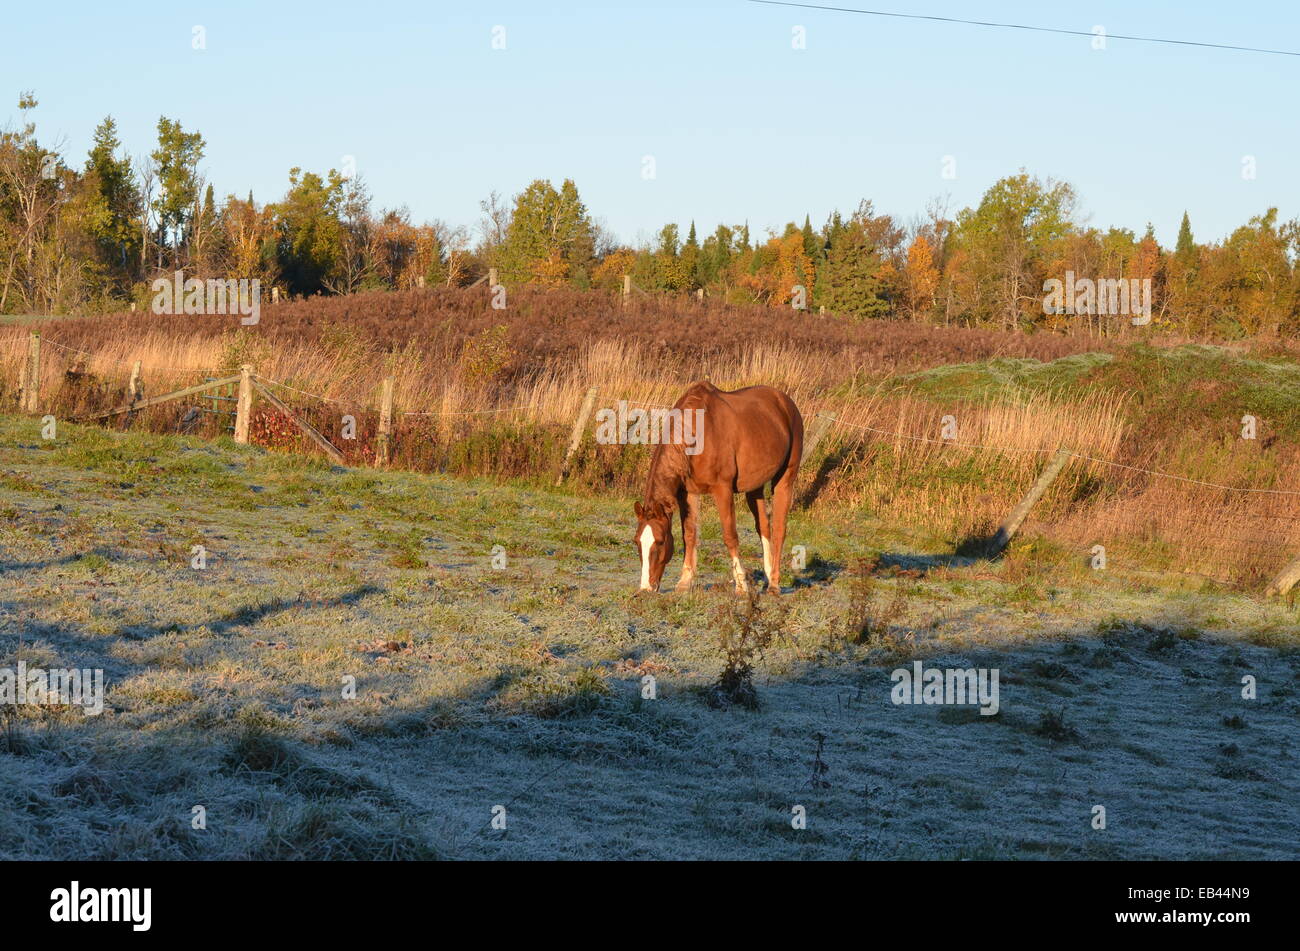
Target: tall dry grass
[887, 454]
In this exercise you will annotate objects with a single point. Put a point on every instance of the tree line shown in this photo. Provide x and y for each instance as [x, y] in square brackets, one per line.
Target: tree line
[93, 238]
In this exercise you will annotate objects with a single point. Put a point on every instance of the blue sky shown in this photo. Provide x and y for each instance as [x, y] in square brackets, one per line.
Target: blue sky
[741, 126]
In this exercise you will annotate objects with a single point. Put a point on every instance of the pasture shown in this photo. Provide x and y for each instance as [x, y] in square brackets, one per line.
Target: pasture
[519, 683]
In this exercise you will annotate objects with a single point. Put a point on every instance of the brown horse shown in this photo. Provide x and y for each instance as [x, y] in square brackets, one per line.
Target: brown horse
[749, 438]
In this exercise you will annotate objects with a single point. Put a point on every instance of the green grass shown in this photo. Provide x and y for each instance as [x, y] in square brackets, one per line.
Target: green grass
[1188, 387]
[1004, 379]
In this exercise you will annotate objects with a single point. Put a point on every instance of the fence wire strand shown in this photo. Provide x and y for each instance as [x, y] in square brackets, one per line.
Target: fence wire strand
[127, 363]
[1135, 521]
[1034, 449]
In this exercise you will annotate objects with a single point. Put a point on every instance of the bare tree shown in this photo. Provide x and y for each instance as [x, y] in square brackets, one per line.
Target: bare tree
[148, 172]
[29, 176]
[494, 224]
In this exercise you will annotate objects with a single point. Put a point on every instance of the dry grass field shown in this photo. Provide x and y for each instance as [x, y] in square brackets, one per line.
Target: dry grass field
[489, 624]
[481, 392]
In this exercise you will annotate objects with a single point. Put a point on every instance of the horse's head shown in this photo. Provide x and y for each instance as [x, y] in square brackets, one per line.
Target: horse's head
[654, 542]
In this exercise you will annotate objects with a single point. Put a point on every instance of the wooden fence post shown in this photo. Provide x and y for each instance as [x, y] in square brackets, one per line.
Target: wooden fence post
[821, 424]
[1286, 579]
[244, 406]
[1013, 521]
[492, 278]
[385, 421]
[31, 384]
[135, 389]
[575, 438]
[627, 288]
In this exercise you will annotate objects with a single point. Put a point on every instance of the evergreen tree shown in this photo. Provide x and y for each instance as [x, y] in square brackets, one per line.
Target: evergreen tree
[1185, 248]
[855, 278]
[811, 246]
[691, 259]
[116, 202]
[310, 241]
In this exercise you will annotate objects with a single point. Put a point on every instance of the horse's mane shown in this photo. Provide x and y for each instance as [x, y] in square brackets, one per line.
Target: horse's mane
[667, 473]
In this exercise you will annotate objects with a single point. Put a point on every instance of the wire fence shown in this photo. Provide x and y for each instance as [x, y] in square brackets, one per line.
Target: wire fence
[147, 369]
[1246, 533]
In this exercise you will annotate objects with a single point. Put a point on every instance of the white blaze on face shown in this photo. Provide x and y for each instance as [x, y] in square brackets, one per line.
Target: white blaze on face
[647, 542]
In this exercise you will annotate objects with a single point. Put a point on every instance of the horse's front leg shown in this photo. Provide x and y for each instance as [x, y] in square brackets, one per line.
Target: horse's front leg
[690, 512]
[726, 502]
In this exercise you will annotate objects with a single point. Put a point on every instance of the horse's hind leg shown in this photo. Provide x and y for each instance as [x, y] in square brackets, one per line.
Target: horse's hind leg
[725, 500]
[758, 508]
[782, 497]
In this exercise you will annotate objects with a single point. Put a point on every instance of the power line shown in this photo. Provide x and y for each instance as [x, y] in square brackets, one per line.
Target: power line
[1022, 26]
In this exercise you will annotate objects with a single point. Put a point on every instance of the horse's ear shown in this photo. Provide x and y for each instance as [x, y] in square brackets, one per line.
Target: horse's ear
[640, 512]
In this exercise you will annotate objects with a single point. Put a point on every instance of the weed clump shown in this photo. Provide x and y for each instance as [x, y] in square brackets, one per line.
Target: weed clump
[555, 695]
[12, 739]
[745, 632]
[1052, 726]
[874, 624]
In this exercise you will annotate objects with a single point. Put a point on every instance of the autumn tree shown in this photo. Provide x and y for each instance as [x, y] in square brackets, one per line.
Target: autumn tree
[1256, 276]
[669, 270]
[1007, 239]
[920, 279]
[357, 255]
[30, 195]
[608, 274]
[247, 240]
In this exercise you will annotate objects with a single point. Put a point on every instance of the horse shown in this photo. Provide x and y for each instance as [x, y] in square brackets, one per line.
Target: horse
[747, 439]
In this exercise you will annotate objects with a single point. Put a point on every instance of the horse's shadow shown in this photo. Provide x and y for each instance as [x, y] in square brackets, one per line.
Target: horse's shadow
[819, 571]
[890, 562]
[970, 551]
[828, 465]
